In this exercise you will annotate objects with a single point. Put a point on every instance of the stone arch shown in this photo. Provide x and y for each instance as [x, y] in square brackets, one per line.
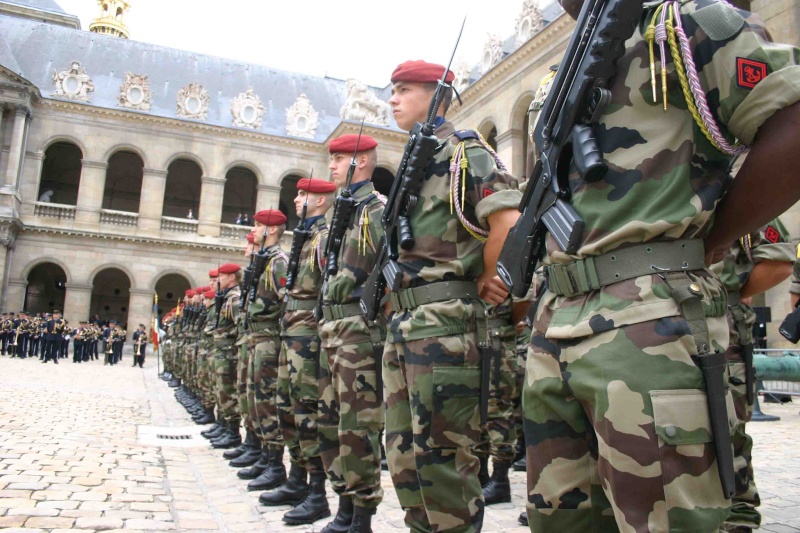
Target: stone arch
[382, 179]
[60, 175]
[288, 183]
[123, 185]
[170, 287]
[46, 288]
[176, 271]
[111, 293]
[126, 147]
[45, 259]
[488, 129]
[63, 137]
[240, 194]
[183, 188]
[249, 166]
[520, 141]
[118, 266]
[186, 155]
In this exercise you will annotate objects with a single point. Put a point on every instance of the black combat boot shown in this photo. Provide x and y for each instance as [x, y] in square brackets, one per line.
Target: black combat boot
[292, 492]
[174, 383]
[362, 520]
[258, 468]
[251, 454]
[206, 418]
[249, 440]
[498, 490]
[230, 438]
[523, 519]
[483, 473]
[521, 465]
[314, 506]
[214, 431]
[344, 517]
[274, 475]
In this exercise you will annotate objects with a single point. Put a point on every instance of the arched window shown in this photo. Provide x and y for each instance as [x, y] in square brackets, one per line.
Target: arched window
[182, 190]
[382, 180]
[61, 174]
[170, 289]
[45, 291]
[123, 182]
[111, 294]
[288, 194]
[241, 188]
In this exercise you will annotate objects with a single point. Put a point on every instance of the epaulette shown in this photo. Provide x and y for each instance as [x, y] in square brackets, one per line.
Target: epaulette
[463, 135]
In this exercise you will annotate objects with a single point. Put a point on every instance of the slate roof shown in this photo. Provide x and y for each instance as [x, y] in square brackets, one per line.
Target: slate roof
[42, 5]
[37, 49]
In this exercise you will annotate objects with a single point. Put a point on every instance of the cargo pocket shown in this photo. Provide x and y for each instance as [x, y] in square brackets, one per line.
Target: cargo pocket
[370, 409]
[455, 420]
[688, 466]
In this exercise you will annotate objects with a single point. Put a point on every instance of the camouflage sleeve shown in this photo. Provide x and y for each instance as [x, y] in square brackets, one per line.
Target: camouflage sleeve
[375, 227]
[489, 189]
[794, 286]
[747, 75]
[772, 243]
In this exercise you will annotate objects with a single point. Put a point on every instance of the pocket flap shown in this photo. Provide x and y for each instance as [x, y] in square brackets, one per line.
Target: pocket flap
[456, 381]
[681, 416]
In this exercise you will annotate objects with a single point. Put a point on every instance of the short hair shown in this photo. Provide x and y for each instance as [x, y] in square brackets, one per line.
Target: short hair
[447, 98]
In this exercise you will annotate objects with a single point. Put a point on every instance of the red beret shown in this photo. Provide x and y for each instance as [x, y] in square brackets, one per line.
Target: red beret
[229, 268]
[189, 292]
[203, 289]
[251, 238]
[347, 143]
[210, 294]
[213, 273]
[315, 185]
[421, 72]
[270, 217]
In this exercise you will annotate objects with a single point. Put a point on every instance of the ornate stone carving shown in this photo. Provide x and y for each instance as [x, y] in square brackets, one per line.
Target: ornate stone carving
[492, 53]
[134, 93]
[73, 83]
[529, 22]
[462, 73]
[301, 119]
[247, 110]
[193, 102]
[362, 104]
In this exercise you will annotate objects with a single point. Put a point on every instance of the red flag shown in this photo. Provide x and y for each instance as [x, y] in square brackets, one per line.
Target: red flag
[154, 335]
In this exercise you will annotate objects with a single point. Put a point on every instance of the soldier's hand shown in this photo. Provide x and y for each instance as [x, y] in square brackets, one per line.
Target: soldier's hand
[492, 289]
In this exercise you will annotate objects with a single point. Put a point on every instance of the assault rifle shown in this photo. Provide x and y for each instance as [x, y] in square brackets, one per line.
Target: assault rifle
[343, 210]
[403, 197]
[299, 237]
[219, 299]
[258, 263]
[564, 134]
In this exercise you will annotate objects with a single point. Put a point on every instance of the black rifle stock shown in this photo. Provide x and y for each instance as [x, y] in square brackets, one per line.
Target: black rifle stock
[564, 135]
[219, 299]
[299, 237]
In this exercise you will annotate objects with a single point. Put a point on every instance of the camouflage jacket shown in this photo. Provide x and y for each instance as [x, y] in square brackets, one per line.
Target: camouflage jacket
[665, 178]
[356, 260]
[266, 309]
[794, 286]
[227, 315]
[444, 249]
[307, 282]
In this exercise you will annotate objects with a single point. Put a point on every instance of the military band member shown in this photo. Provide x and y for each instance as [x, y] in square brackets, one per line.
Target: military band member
[78, 342]
[22, 325]
[6, 325]
[53, 337]
[351, 401]
[432, 360]
[139, 345]
[298, 389]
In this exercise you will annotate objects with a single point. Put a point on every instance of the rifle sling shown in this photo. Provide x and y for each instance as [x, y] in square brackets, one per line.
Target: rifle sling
[433, 292]
[586, 275]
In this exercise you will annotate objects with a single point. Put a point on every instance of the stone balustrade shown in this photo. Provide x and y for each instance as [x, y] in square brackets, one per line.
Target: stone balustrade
[119, 218]
[60, 211]
[234, 231]
[178, 225]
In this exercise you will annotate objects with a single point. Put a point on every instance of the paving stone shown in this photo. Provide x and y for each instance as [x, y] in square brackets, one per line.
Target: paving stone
[198, 524]
[99, 523]
[12, 521]
[89, 496]
[48, 522]
[149, 506]
[56, 504]
[152, 525]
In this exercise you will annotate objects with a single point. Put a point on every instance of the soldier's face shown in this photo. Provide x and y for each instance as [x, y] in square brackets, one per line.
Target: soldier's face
[410, 103]
[248, 249]
[226, 281]
[339, 165]
[300, 199]
[572, 7]
[258, 231]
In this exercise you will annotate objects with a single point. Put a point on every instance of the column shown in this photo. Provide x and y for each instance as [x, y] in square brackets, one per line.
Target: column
[509, 148]
[77, 300]
[14, 297]
[140, 311]
[210, 213]
[268, 197]
[21, 116]
[90, 191]
[29, 180]
[151, 200]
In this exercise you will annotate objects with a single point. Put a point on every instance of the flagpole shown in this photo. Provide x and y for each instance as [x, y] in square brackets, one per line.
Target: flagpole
[154, 331]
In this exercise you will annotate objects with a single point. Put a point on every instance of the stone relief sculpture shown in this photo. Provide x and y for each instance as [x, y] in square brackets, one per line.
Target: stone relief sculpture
[529, 22]
[462, 72]
[301, 119]
[193, 102]
[73, 83]
[134, 93]
[247, 110]
[363, 104]
[492, 53]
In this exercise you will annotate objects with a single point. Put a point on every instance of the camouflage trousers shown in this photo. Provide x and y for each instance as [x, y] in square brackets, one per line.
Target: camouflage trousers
[617, 431]
[431, 393]
[177, 359]
[500, 435]
[204, 379]
[746, 498]
[350, 421]
[298, 393]
[225, 371]
[166, 356]
[263, 355]
[242, 380]
[523, 339]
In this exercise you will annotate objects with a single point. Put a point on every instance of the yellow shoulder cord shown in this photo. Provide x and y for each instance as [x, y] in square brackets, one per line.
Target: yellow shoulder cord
[747, 245]
[458, 186]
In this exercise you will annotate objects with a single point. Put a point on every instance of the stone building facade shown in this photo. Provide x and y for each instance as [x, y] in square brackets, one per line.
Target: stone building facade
[107, 144]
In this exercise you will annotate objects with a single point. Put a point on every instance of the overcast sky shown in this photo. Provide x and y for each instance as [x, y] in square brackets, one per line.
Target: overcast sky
[348, 39]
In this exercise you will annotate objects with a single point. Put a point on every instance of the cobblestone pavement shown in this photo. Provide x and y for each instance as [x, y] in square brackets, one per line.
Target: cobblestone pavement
[82, 448]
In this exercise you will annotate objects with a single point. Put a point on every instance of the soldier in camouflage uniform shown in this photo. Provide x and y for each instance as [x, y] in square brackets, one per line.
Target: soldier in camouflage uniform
[350, 405]
[264, 346]
[230, 275]
[616, 416]
[180, 341]
[298, 389]
[794, 286]
[754, 264]
[204, 377]
[432, 358]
